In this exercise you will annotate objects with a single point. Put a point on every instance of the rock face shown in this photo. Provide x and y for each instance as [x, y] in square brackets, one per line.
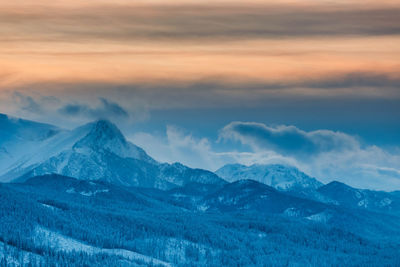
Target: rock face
[99, 151]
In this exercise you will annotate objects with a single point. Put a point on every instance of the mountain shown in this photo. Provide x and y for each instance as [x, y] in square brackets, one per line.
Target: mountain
[24, 130]
[348, 196]
[18, 136]
[54, 186]
[106, 137]
[296, 183]
[62, 221]
[255, 196]
[281, 177]
[172, 173]
[89, 197]
[99, 151]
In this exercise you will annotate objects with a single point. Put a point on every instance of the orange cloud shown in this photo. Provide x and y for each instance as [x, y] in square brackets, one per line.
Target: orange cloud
[121, 42]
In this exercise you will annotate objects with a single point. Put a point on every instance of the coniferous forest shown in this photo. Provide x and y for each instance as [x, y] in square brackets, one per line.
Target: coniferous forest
[45, 224]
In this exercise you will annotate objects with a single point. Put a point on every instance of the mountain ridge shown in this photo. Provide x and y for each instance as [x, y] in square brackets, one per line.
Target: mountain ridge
[347, 196]
[99, 151]
[281, 177]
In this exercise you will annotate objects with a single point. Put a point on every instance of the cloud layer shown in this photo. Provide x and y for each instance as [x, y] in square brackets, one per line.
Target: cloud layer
[258, 41]
[205, 21]
[288, 140]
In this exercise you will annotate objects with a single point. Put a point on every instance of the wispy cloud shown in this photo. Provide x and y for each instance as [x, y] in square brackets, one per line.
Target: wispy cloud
[106, 109]
[288, 140]
[221, 91]
[361, 96]
[27, 103]
[178, 145]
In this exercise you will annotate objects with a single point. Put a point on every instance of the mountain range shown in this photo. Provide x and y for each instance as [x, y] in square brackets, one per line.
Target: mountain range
[98, 151]
[88, 196]
[95, 151]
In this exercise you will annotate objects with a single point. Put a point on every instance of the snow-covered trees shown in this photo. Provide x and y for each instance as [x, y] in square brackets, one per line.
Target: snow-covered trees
[146, 223]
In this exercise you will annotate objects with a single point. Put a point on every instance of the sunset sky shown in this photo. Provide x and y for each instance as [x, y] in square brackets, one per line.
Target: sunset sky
[211, 82]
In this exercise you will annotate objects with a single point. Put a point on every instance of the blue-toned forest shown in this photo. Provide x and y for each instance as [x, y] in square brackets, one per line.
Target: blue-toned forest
[39, 214]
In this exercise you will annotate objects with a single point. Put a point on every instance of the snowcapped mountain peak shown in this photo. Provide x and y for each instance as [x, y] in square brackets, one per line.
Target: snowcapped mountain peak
[106, 129]
[279, 176]
[103, 135]
[99, 151]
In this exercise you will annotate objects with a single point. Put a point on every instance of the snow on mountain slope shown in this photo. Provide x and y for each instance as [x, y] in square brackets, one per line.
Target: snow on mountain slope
[173, 172]
[59, 242]
[284, 178]
[348, 196]
[105, 136]
[24, 130]
[99, 151]
[19, 137]
[16, 257]
[33, 154]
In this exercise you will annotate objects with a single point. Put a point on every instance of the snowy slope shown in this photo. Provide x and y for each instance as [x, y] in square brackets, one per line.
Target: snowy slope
[99, 151]
[348, 196]
[58, 242]
[20, 137]
[280, 177]
[24, 130]
[173, 172]
[34, 153]
[106, 137]
[13, 256]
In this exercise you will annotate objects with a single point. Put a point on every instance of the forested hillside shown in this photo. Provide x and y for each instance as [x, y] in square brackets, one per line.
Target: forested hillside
[55, 220]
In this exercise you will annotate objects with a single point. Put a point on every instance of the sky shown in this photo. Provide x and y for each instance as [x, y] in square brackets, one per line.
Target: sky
[314, 84]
